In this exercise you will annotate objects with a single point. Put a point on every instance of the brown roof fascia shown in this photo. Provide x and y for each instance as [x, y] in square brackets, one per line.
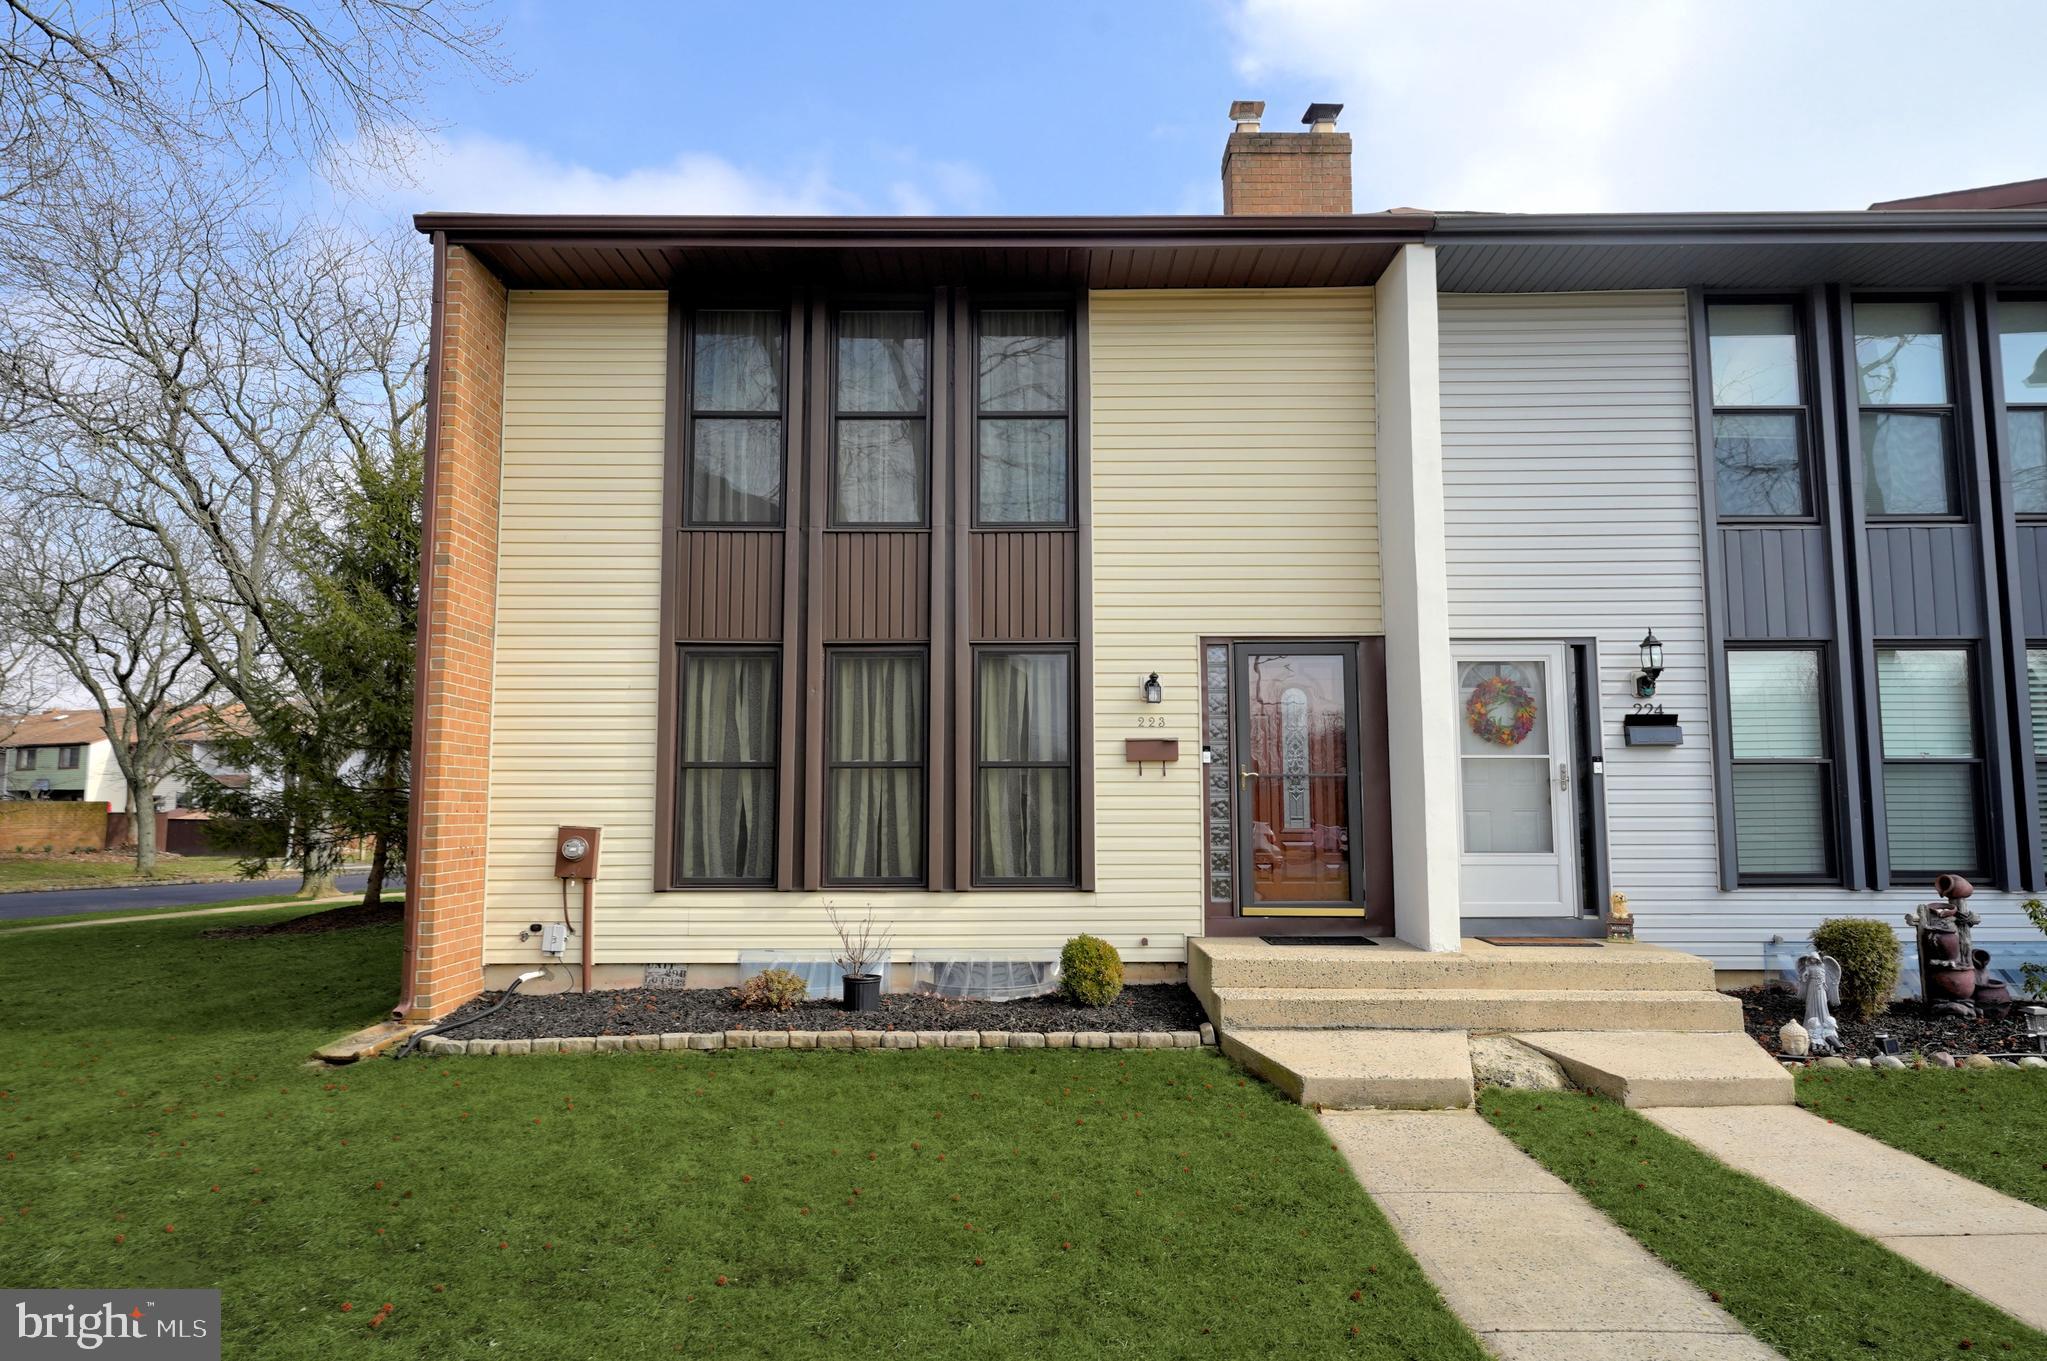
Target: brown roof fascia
[604, 229]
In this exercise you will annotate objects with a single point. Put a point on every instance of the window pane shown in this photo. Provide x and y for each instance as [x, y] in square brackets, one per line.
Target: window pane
[1759, 464]
[1507, 807]
[1900, 354]
[881, 361]
[2022, 344]
[1023, 824]
[1026, 706]
[2028, 461]
[1923, 698]
[1930, 812]
[2036, 692]
[1780, 819]
[877, 707]
[1905, 462]
[1754, 348]
[1023, 361]
[725, 824]
[1023, 472]
[880, 473]
[1774, 702]
[728, 708]
[877, 823]
[735, 472]
[1496, 701]
[738, 361]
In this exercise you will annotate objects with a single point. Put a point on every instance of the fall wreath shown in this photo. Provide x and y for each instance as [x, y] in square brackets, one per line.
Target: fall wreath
[1495, 693]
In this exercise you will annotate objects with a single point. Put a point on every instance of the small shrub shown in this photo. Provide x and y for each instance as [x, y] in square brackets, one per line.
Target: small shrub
[772, 990]
[1090, 972]
[2035, 975]
[1868, 951]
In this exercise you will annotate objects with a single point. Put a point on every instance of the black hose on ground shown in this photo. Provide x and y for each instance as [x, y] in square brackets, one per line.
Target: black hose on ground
[457, 1023]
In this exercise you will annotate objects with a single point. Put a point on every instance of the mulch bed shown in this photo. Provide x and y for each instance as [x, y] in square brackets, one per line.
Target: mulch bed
[657, 1011]
[1765, 1009]
[346, 918]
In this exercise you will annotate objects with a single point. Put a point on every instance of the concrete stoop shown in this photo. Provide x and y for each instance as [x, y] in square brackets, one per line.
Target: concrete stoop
[1360, 1069]
[1646, 1068]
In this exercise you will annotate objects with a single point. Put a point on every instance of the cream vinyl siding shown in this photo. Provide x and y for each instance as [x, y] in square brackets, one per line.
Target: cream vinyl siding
[1571, 482]
[1233, 492]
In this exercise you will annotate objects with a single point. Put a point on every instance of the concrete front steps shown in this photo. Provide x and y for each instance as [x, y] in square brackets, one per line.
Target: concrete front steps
[1247, 984]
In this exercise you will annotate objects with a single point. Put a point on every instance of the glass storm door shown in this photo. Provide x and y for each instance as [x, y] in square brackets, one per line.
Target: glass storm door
[1297, 790]
[1514, 775]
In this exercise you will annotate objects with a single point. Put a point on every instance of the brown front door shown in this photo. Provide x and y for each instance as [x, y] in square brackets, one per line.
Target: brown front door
[1298, 823]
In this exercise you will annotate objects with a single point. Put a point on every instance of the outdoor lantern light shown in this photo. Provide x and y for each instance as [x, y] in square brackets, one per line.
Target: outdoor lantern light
[1652, 666]
[1154, 693]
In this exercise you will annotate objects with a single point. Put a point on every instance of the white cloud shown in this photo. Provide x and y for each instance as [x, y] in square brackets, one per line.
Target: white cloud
[477, 173]
[1658, 104]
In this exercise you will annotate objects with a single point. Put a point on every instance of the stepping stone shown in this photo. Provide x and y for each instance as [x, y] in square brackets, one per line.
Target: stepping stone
[1962, 1231]
[1529, 1265]
[1355, 1069]
[1661, 1068]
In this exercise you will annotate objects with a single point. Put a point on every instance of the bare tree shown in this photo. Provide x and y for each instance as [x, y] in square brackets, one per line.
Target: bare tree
[109, 619]
[244, 79]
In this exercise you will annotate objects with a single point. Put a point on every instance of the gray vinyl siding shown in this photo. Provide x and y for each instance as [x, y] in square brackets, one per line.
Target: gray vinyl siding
[1571, 484]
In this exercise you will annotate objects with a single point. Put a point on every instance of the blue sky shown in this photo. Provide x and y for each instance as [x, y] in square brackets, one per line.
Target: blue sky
[1059, 106]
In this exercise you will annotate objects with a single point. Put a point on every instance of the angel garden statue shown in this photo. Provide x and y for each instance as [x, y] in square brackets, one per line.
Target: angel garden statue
[1819, 984]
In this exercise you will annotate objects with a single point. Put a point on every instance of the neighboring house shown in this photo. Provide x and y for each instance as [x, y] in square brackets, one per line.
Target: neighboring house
[65, 754]
[1285, 571]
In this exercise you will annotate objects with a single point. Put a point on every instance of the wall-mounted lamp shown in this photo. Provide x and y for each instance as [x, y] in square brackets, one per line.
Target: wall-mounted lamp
[1154, 693]
[1652, 666]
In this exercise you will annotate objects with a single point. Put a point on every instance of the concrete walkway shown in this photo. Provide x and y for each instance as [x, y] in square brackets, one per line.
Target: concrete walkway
[1530, 1266]
[1987, 1243]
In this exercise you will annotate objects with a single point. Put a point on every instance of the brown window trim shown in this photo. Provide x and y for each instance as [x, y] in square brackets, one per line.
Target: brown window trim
[1071, 765]
[833, 764]
[690, 415]
[1808, 445]
[683, 652]
[1949, 412]
[972, 342]
[828, 402]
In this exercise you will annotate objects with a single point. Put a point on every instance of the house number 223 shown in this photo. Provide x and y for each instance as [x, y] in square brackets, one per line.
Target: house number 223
[1151, 720]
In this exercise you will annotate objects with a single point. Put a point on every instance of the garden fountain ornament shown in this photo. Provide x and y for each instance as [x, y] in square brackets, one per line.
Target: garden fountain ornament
[1954, 976]
[1819, 984]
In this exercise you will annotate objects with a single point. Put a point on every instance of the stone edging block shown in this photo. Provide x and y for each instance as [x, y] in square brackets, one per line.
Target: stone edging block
[830, 1039]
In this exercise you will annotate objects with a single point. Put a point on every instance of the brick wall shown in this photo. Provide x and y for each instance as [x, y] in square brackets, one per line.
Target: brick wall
[445, 888]
[32, 826]
[1287, 172]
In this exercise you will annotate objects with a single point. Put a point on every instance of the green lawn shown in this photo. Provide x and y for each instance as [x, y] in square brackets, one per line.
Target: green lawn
[161, 1128]
[1988, 1125]
[19, 873]
[1803, 1284]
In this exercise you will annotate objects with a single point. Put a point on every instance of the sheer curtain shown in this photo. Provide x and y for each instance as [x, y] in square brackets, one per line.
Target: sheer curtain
[736, 458]
[883, 360]
[1022, 357]
[1024, 813]
[725, 805]
[876, 800]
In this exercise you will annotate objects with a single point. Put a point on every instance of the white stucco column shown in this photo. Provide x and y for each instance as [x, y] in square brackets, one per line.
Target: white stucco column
[1420, 695]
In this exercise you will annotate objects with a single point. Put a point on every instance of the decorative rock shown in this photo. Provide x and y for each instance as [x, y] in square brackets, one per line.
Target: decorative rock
[549, 1045]
[1891, 1061]
[803, 1039]
[1186, 1039]
[1864, 1063]
[834, 1039]
[1979, 1061]
[674, 1039]
[931, 1039]
[578, 1044]
[1122, 1039]
[1059, 1039]
[646, 1043]
[1155, 1039]
[900, 1039]
[2033, 1061]
[437, 1044]
[771, 1039]
[962, 1039]
[489, 1048]
[1791, 1065]
[1091, 1039]
[1833, 1061]
[610, 1044]
[515, 1046]
[2006, 1063]
[1026, 1039]
[714, 1040]
[1207, 1034]
[1940, 1058]
[1793, 1040]
[867, 1039]
[1499, 1061]
[995, 1039]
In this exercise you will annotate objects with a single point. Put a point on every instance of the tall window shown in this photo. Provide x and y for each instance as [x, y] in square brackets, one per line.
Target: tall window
[25, 758]
[1023, 756]
[2022, 353]
[725, 785]
[2036, 691]
[1783, 777]
[881, 425]
[1023, 439]
[67, 757]
[1759, 420]
[874, 744]
[1932, 763]
[735, 428]
[1908, 434]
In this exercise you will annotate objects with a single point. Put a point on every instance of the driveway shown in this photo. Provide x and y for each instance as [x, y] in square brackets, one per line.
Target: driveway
[63, 901]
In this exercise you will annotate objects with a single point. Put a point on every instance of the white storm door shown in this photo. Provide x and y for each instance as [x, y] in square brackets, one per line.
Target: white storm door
[1519, 833]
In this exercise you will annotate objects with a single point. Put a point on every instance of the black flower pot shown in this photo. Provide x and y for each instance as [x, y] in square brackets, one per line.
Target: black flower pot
[862, 991]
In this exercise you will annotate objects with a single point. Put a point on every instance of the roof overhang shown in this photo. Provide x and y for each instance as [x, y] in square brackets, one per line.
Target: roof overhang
[1514, 253]
[576, 251]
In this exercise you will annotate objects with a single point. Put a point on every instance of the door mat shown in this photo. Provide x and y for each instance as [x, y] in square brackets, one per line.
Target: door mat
[1318, 940]
[1582, 942]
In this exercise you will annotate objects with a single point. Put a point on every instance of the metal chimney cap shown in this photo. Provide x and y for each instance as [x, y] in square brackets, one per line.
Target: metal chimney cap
[1245, 113]
[1322, 117]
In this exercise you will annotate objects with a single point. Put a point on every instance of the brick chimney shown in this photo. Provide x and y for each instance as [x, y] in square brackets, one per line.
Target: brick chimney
[1286, 172]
